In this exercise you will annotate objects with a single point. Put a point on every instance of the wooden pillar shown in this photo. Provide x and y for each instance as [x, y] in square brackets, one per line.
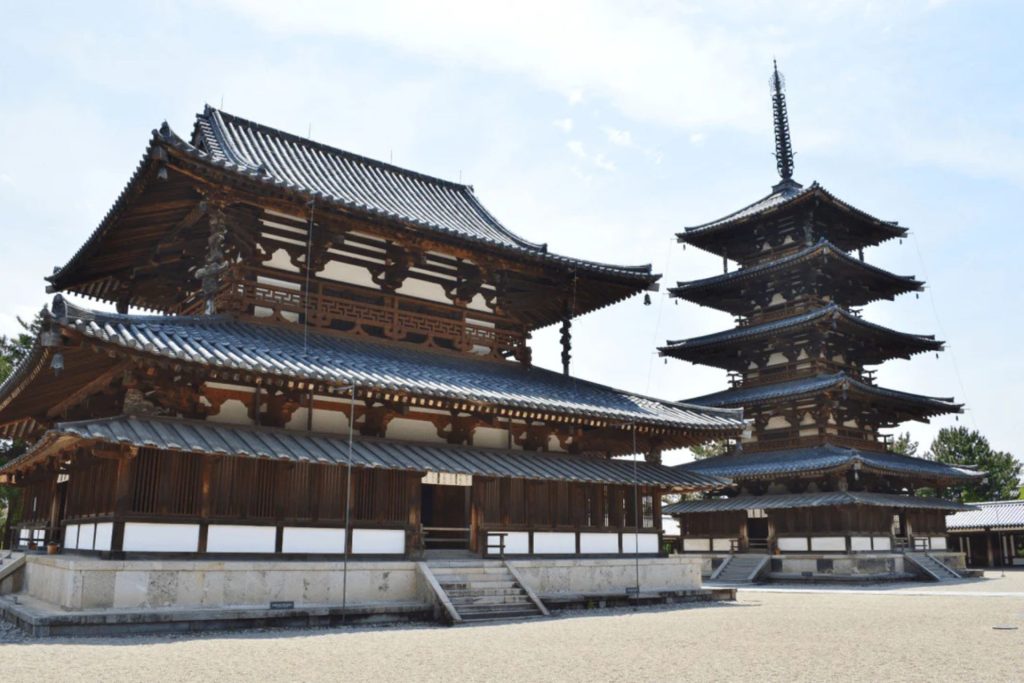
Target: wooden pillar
[205, 499]
[122, 497]
[988, 549]
[414, 533]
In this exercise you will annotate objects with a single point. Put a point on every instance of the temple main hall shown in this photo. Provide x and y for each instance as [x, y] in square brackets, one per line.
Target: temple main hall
[311, 363]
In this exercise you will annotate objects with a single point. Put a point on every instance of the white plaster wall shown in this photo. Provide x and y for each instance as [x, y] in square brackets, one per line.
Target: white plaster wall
[86, 536]
[582, 575]
[232, 412]
[938, 542]
[490, 437]
[161, 538]
[299, 420]
[554, 543]
[697, 544]
[792, 544]
[721, 544]
[378, 541]
[516, 543]
[330, 421]
[594, 543]
[828, 543]
[406, 429]
[343, 272]
[860, 543]
[648, 543]
[104, 534]
[311, 540]
[239, 538]
[71, 537]
[881, 542]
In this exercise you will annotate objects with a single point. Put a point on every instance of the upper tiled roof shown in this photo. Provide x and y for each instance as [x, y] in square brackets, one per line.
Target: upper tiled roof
[913, 343]
[823, 249]
[1002, 514]
[196, 436]
[223, 342]
[358, 181]
[785, 195]
[744, 396]
[823, 458]
[277, 159]
[809, 500]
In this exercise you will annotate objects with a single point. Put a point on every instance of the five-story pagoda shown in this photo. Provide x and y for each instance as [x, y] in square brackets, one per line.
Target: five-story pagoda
[814, 473]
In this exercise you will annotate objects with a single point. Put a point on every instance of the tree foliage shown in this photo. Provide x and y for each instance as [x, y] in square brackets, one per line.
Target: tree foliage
[904, 445]
[962, 447]
[709, 449]
[12, 351]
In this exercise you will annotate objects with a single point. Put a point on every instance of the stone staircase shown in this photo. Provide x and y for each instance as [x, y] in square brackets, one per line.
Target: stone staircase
[742, 568]
[483, 590]
[933, 567]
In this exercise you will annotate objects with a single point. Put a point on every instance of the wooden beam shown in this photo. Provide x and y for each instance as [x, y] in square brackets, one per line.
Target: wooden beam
[99, 383]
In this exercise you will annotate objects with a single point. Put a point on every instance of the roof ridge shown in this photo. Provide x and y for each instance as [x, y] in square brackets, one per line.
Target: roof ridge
[228, 117]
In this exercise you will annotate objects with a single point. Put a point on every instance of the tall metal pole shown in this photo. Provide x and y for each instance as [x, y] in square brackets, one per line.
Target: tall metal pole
[348, 499]
[636, 520]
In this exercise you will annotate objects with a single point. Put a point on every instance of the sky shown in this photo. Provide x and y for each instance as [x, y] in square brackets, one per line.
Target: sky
[600, 128]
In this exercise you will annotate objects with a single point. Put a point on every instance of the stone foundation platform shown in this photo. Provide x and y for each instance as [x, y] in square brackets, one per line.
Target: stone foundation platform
[861, 567]
[78, 595]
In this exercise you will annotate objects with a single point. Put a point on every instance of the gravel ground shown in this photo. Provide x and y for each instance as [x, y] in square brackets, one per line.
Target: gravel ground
[848, 635]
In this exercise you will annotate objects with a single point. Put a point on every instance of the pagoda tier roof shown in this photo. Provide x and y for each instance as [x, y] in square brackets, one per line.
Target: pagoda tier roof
[332, 361]
[914, 406]
[826, 458]
[728, 292]
[731, 235]
[811, 500]
[228, 154]
[196, 436]
[720, 349]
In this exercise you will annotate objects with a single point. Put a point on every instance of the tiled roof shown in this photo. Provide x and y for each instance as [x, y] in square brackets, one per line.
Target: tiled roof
[823, 458]
[823, 249]
[282, 444]
[810, 500]
[744, 396]
[281, 160]
[223, 342]
[782, 196]
[916, 343]
[1003, 514]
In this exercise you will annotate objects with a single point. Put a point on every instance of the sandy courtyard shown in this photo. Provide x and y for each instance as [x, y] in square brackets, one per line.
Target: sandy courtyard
[910, 633]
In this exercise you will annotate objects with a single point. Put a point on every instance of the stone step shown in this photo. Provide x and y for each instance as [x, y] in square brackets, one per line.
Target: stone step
[471, 600]
[465, 610]
[503, 615]
[475, 585]
[494, 592]
[469, 571]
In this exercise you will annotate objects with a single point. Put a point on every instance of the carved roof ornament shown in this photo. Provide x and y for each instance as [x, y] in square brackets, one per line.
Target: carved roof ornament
[783, 143]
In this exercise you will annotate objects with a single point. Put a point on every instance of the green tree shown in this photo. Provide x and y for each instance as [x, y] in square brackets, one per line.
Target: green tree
[961, 447]
[904, 445]
[709, 449]
[12, 351]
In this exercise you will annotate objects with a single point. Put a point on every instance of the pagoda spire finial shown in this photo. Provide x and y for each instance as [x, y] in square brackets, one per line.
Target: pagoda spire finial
[783, 144]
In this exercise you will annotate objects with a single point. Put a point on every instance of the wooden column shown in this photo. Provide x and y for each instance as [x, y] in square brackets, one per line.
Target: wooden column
[206, 499]
[414, 533]
[122, 497]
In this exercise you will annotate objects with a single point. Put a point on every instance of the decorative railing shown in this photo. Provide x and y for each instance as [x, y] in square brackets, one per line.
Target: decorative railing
[808, 441]
[361, 310]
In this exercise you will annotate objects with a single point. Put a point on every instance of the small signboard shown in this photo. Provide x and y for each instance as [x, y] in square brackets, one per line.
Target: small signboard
[282, 604]
[447, 479]
[632, 590]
